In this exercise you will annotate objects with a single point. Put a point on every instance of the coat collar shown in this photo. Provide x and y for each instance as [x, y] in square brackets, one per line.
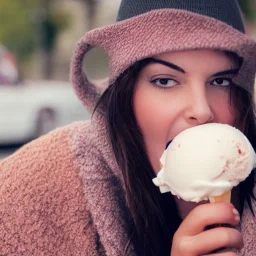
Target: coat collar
[103, 187]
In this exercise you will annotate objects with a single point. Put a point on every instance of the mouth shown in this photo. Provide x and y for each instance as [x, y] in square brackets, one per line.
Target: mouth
[168, 143]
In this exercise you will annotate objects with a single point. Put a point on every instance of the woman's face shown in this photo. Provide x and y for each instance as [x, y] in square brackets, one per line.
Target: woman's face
[190, 88]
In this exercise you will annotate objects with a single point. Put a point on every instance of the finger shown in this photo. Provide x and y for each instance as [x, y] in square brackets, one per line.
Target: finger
[213, 239]
[208, 214]
[222, 254]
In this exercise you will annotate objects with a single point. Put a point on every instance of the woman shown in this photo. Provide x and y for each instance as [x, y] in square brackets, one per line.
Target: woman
[86, 189]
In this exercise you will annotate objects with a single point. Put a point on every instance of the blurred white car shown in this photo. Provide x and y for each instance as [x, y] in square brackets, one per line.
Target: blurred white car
[33, 108]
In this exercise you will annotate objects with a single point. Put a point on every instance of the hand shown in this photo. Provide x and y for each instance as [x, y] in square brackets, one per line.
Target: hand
[193, 239]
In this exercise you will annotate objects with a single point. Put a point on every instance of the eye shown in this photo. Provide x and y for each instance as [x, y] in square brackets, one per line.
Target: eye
[164, 82]
[225, 82]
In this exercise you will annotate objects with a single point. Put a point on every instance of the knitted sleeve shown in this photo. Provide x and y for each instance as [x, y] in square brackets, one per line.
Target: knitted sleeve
[42, 206]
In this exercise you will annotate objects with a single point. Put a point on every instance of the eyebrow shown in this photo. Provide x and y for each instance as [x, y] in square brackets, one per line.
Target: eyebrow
[227, 72]
[165, 63]
[175, 67]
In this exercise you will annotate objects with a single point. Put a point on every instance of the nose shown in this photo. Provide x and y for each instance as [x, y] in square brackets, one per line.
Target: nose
[199, 108]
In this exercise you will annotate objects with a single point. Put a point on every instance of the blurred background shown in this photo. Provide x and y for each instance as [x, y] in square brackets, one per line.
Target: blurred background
[37, 39]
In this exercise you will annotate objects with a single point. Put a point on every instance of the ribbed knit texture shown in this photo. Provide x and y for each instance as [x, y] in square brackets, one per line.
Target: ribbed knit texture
[226, 11]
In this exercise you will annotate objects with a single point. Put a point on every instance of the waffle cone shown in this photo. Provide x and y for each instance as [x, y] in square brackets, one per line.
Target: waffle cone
[226, 197]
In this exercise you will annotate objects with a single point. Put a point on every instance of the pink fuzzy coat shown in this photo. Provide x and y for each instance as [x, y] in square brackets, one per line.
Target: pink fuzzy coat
[63, 194]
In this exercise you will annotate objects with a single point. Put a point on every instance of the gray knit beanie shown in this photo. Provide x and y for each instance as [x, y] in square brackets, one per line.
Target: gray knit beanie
[147, 28]
[226, 11]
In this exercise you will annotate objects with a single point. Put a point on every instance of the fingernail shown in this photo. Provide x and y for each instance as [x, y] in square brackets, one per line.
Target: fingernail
[235, 211]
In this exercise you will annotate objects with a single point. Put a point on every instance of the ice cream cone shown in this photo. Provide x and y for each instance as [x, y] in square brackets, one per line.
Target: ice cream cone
[226, 197]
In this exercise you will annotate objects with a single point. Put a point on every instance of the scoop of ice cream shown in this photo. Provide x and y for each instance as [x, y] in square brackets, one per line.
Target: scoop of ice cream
[205, 161]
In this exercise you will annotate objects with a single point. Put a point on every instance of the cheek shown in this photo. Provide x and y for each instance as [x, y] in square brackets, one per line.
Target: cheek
[224, 109]
[154, 115]
[150, 112]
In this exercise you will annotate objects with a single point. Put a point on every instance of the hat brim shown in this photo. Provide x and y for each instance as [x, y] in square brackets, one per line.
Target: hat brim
[154, 33]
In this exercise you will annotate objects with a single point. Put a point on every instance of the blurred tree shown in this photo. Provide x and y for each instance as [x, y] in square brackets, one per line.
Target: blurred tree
[28, 25]
[90, 12]
[17, 28]
[50, 23]
[249, 9]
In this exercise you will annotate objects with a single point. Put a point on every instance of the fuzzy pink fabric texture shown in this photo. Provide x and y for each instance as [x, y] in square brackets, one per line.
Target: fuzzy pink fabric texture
[59, 196]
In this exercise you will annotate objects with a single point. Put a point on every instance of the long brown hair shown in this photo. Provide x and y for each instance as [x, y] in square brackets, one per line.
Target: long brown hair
[155, 215]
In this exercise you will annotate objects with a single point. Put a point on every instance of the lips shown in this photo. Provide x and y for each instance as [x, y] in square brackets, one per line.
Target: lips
[168, 143]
